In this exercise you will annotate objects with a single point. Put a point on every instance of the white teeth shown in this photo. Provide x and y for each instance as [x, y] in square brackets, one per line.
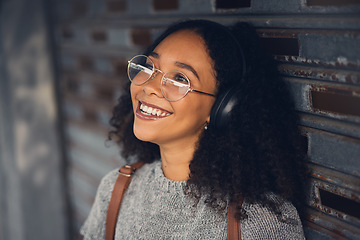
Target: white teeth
[153, 111]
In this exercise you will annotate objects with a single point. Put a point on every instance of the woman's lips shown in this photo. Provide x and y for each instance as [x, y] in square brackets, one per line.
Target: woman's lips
[148, 111]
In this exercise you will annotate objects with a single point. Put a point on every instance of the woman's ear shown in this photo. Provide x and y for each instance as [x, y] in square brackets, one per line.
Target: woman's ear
[208, 120]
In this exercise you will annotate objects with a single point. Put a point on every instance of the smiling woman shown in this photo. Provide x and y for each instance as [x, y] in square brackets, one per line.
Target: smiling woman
[177, 132]
[208, 114]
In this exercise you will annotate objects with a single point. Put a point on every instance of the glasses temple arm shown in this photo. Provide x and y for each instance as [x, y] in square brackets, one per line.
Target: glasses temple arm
[141, 68]
[209, 94]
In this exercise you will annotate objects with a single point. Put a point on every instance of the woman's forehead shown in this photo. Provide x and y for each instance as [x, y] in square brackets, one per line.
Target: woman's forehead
[184, 45]
[178, 38]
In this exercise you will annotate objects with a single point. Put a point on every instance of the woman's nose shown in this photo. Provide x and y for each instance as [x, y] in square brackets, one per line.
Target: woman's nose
[152, 86]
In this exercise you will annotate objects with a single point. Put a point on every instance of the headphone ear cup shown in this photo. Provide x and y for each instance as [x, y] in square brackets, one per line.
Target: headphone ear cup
[221, 110]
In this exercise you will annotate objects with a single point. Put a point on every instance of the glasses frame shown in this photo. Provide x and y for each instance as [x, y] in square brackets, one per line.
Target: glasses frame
[155, 71]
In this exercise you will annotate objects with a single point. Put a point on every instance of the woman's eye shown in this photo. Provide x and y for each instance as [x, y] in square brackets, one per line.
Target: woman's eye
[148, 66]
[180, 78]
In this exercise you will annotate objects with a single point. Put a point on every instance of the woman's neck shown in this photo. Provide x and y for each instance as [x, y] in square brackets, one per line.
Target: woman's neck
[175, 162]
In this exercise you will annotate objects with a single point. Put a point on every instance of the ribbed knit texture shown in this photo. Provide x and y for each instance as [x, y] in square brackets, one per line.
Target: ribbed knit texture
[155, 207]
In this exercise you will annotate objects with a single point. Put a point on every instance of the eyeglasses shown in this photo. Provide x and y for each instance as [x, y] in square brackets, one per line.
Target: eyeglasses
[174, 84]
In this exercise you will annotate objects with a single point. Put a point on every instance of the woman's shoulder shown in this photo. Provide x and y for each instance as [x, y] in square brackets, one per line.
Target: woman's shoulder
[263, 223]
[94, 226]
[109, 178]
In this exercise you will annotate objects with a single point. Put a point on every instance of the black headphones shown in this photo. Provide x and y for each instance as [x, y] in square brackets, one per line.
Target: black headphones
[225, 102]
[221, 110]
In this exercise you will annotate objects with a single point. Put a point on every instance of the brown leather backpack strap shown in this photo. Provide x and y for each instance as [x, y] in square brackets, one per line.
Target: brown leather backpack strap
[121, 184]
[233, 225]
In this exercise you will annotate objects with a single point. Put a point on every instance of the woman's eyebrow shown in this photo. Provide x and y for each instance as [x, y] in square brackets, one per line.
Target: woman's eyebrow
[179, 64]
[154, 55]
[188, 67]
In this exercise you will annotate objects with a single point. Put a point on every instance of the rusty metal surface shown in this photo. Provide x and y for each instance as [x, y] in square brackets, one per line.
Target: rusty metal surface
[320, 73]
[335, 177]
[293, 33]
[341, 192]
[314, 231]
[309, 22]
[327, 3]
[302, 91]
[326, 149]
[282, 6]
[331, 218]
[338, 228]
[339, 62]
[335, 101]
[318, 46]
[330, 48]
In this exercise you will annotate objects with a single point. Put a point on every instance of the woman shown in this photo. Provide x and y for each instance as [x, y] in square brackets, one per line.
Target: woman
[197, 163]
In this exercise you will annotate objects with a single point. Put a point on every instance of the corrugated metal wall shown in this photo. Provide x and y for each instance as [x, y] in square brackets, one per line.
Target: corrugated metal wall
[32, 191]
[317, 43]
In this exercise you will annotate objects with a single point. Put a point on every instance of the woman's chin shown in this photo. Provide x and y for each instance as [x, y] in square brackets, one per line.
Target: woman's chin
[144, 134]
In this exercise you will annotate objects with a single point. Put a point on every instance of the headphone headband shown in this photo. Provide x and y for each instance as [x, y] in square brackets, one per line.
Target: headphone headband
[224, 104]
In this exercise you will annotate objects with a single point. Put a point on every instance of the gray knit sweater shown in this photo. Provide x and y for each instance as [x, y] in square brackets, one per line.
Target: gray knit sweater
[155, 207]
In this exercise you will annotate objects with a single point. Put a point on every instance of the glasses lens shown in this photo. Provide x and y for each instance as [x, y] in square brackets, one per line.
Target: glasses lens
[140, 69]
[174, 85]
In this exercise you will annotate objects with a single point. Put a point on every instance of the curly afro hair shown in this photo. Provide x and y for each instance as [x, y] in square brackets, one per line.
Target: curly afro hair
[260, 152]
